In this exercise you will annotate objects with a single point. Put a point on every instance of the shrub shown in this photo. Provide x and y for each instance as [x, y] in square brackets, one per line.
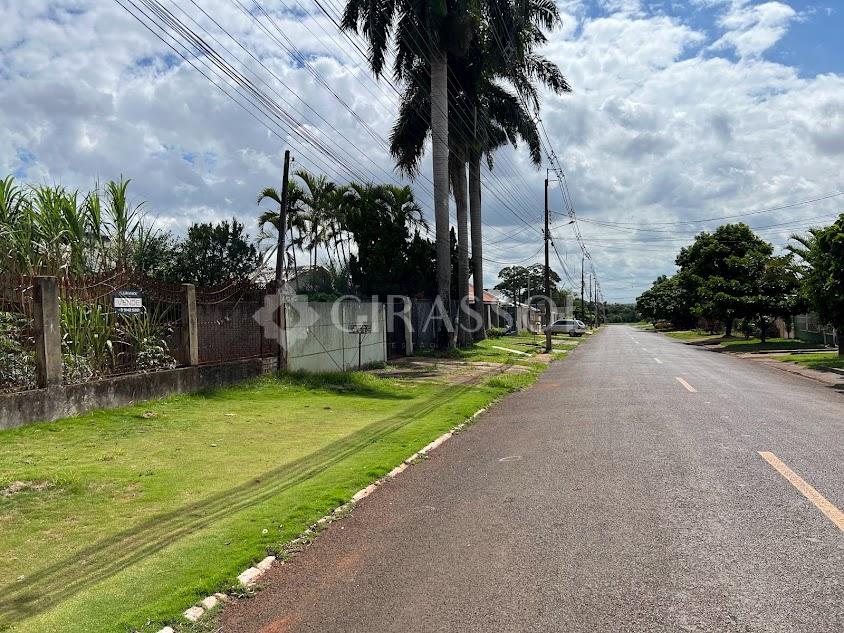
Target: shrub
[17, 370]
[77, 369]
[87, 333]
[145, 335]
[17, 361]
[154, 356]
[495, 332]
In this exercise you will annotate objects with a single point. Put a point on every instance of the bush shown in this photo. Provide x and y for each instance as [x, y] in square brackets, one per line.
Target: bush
[17, 370]
[495, 332]
[88, 339]
[17, 363]
[145, 335]
[154, 356]
[77, 369]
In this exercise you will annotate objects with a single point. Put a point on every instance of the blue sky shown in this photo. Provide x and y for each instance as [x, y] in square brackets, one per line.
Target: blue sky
[814, 44]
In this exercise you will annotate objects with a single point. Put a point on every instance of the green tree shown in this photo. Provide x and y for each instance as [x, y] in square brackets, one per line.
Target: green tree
[665, 301]
[296, 223]
[775, 293]
[511, 33]
[621, 313]
[392, 258]
[520, 283]
[487, 115]
[719, 270]
[822, 252]
[321, 203]
[426, 30]
[214, 255]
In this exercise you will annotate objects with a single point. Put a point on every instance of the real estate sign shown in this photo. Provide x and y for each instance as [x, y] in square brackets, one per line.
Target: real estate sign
[128, 301]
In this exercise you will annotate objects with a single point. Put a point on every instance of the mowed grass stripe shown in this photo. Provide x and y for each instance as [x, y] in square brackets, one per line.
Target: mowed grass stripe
[63, 579]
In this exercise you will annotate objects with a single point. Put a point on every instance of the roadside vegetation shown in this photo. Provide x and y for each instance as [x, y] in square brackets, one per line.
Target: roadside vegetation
[820, 360]
[736, 344]
[121, 519]
[730, 282]
[520, 349]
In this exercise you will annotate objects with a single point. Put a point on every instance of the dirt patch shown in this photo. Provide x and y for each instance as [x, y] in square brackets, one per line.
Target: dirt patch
[442, 370]
[23, 486]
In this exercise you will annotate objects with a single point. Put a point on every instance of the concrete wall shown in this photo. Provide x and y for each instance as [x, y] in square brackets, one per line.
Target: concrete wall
[323, 336]
[62, 401]
[320, 337]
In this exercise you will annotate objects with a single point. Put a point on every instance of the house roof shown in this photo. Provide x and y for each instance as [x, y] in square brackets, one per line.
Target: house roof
[488, 296]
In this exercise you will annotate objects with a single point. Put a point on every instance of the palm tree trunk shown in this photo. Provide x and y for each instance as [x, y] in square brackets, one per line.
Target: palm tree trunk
[477, 236]
[457, 167]
[295, 266]
[439, 155]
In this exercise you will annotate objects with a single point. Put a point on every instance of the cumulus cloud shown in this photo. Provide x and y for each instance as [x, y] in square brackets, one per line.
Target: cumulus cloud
[665, 126]
[752, 29]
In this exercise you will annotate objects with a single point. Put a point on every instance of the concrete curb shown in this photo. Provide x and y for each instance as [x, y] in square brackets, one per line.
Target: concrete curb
[831, 376]
[249, 577]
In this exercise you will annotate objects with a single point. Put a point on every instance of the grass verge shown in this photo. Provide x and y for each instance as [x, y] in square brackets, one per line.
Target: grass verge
[504, 349]
[821, 360]
[119, 520]
[772, 344]
[696, 336]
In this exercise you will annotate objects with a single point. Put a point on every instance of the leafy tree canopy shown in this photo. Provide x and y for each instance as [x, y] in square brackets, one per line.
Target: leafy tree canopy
[214, 255]
[663, 302]
[516, 281]
[392, 257]
[822, 252]
[719, 270]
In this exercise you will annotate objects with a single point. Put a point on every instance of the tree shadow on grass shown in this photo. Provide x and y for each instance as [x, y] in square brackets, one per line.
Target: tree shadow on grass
[336, 383]
[103, 559]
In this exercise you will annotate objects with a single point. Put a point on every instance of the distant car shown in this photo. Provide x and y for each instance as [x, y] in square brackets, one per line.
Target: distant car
[572, 327]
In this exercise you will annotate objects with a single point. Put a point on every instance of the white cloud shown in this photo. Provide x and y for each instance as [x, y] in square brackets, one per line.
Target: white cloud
[752, 29]
[656, 131]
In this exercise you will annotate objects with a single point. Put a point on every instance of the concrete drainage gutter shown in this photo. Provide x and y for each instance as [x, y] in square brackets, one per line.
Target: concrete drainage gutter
[249, 577]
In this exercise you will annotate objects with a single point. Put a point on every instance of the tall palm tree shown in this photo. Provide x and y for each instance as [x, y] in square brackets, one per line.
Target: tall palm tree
[489, 115]
[320, 200]
[425, 31]
[295, 221]
[514, 29]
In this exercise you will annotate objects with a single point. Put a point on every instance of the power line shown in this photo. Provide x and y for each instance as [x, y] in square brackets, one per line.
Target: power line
[276, 118]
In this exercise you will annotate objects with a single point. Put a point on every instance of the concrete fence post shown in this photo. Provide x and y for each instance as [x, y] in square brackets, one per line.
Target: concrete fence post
[407, 319]
[48, 333]
[383, 319]
[190, 332]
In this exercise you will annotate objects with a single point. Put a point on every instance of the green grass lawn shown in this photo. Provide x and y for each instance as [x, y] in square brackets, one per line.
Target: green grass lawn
[821, 360]
[756, 345]
[692, 335]
[125, 518]
[490, 350]
[736, 344]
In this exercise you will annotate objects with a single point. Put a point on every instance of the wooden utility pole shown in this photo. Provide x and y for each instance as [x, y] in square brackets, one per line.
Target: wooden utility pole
[583, 288]
[547, 272]
[281, 260]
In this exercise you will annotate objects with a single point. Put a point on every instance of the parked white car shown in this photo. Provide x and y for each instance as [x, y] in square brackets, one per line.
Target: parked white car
[572, 327]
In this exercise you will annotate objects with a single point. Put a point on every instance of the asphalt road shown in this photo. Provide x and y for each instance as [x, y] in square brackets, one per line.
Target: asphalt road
[609, 497]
